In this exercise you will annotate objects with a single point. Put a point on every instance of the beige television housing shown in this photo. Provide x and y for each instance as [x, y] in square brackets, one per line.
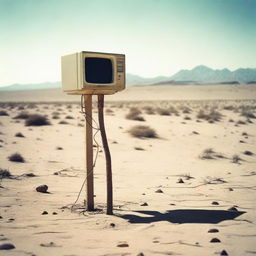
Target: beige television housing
[93, 73]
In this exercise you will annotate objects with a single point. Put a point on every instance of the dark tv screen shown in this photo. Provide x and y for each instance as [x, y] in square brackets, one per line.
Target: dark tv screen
[98, 70]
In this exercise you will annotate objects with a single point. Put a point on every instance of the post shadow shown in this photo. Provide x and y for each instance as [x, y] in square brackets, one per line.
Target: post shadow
[183, 216]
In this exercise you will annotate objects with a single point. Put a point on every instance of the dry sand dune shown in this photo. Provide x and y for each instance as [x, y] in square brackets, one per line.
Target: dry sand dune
[189, 191]
[161, 92]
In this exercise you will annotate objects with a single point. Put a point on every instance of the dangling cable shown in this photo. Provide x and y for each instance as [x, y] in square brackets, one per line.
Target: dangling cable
[97, 129]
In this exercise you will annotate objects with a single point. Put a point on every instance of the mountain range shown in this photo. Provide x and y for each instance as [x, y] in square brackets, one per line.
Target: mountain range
[198, 75]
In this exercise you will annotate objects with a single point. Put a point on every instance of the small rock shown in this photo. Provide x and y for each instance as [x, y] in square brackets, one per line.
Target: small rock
[1, 217]
[180, 180]
[144, 204]
[213, 230]
[233, 209]
[30, 174]
[42, 189]
[215, 240]
[223, 252]
[143, 194]
[44, 212]
[140, 254]
[241, 141]
[6, 246]
[51, 244]
[112, 225]
[194, 132]
[54, 213]
[248, 153]
[172, 204]
[230, 189]
[123, 244]
[159, 191]
[215, 203]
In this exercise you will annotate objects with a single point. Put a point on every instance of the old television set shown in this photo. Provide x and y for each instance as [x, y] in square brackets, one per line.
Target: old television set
[93, 73]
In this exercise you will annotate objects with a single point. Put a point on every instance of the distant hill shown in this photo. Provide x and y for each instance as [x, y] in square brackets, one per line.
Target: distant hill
[198, 75]
[22, 87]
[203, 74]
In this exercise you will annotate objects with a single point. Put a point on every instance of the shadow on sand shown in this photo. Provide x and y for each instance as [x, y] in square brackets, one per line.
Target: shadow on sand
[183, 216]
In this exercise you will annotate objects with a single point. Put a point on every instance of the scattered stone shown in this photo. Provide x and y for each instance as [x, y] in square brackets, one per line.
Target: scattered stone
[180, 180]
[112, 225]
[1, 217]
[59, 148]
[194, 132]
[248, 153]
[223, 252]
[7, 246]
[122, 244]
[11, 220]
[140, 254]
[233, 209]
[144, 204]
[143, 194]
[42, 189]
[51, 244]
[30, 174]
[172, 204]
[159, 191]
[215, 203]
[230, 189]
[215, 240]
[44, 212]
[213, 230]
[54, 213]
[241, 141]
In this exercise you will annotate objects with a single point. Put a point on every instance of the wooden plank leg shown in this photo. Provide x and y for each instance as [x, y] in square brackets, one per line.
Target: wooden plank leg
[89, 152]
[107, 154]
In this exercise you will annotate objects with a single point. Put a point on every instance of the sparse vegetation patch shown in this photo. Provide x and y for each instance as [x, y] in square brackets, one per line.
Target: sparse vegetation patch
[141, 131]
[37, 120]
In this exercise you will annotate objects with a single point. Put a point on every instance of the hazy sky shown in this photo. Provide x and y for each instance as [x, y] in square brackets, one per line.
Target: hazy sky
[159, 37]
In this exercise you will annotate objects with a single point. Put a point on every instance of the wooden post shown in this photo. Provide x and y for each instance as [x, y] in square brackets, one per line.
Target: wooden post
[89, 152]
[107, 154]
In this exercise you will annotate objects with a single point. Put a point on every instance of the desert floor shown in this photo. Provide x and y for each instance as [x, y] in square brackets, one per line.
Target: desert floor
[154, 213]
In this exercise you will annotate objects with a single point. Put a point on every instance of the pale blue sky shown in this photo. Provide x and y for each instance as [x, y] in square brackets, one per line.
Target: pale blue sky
[159, 37]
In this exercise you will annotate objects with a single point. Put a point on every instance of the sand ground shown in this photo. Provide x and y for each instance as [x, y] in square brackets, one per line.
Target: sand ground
[175, 222]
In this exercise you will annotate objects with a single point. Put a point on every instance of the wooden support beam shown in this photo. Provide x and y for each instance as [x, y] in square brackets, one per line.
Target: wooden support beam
[107, 155]
[89, 152]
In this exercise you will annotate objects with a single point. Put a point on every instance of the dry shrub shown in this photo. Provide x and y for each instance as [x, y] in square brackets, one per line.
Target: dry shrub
[236, 159]
[36, 120]
[3, 113]
[246, 112]
[149, 110]
[16, 157]
[173, 110]
[163, 111]
[69, 117]
[63, 122]
[141, 131]
[210, 116]
[186, 110]
[109, 111]
[19, 134]
[135, 114]
[5, 174]
[209, 153]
